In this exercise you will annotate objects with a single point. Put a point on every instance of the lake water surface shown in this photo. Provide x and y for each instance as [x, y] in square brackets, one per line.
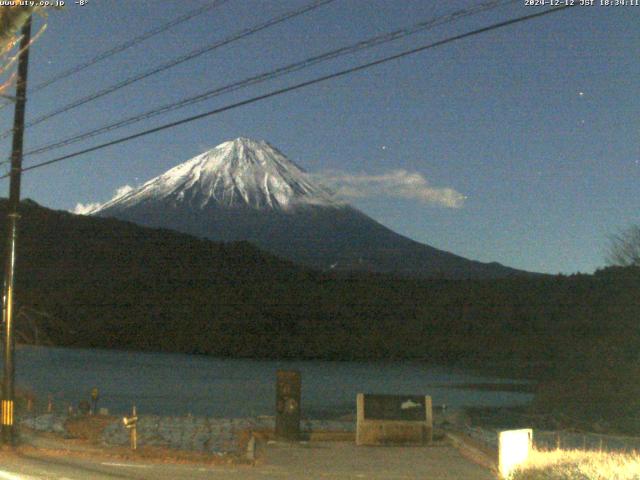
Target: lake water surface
[175, 384]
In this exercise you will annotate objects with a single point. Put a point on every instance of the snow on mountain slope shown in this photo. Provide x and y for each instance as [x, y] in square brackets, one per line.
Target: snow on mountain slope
[237, 173]
[246, 190]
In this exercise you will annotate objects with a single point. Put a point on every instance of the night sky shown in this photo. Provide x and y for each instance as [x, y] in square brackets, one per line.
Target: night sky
[520, 145]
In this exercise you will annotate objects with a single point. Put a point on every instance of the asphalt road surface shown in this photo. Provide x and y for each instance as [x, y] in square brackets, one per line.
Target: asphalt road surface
[301, 461]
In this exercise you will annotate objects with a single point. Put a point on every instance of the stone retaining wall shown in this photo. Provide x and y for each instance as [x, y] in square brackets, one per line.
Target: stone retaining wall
[201, 434]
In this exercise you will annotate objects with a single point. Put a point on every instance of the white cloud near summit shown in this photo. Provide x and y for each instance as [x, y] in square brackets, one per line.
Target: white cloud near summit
[88, 208]
[85, 208]
[123, 190]
[396, 183]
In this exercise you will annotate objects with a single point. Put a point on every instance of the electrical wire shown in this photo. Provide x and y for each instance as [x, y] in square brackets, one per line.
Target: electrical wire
[290, 68]
[172, 63]
[128, 44]
[298, 86]
[123, 46]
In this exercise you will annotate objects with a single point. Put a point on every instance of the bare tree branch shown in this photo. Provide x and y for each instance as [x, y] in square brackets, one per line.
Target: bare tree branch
[11, 21]
[624, 248]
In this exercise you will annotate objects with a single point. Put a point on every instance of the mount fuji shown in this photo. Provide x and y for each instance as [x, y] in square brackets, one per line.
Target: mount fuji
[248, 190]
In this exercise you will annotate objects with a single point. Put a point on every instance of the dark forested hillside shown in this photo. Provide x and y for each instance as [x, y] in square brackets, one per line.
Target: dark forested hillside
[101, 282]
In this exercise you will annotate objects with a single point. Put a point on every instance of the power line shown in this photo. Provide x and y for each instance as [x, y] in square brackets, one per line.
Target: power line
[298, 86]
[124, 46]
[128, 44]
[177, 61]
[293, 67]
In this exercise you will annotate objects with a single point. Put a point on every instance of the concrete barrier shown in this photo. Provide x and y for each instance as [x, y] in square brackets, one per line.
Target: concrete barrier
[514, 447]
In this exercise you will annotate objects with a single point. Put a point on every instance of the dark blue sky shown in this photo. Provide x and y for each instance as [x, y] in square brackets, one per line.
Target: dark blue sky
[536, 125]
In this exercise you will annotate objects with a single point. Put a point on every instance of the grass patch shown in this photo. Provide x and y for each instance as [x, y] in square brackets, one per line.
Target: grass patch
[579, 465]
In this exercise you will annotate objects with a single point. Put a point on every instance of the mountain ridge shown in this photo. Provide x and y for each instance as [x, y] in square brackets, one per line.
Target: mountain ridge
[241, 172]
[247, 190]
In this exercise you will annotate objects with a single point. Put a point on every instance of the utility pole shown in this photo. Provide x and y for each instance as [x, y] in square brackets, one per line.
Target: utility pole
[8, 390]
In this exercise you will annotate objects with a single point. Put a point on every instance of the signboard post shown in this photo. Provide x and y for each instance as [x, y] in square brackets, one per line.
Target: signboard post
[288, 393]
[394, 419]
[131, 423]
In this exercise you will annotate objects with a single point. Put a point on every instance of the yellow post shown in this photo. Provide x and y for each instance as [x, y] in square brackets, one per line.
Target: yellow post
[134, 430]
[131, 423]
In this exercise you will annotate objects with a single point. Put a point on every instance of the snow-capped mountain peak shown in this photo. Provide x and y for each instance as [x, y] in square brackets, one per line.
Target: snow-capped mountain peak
[238, 173]
[246, 190]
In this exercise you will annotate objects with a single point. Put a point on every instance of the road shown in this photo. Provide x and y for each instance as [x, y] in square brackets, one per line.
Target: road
[302, 461]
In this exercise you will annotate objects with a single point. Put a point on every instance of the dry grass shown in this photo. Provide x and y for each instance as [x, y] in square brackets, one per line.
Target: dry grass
[580, 465]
